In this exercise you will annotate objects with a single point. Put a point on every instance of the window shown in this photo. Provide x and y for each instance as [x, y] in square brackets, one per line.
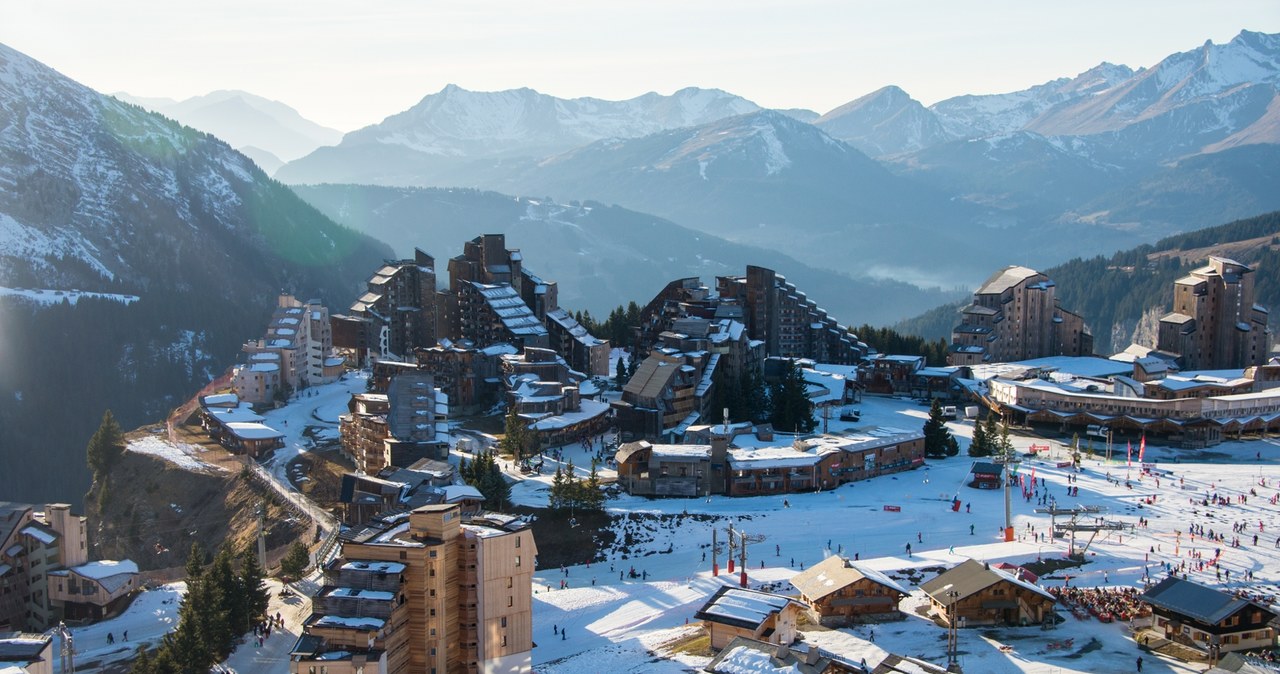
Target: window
[509, 583]
[504, 621]
[510, 601]
[433, 631]
[432, 554]
[433, 612]
[517, 541]
[404, 555]
[504, 641]
[517, 560]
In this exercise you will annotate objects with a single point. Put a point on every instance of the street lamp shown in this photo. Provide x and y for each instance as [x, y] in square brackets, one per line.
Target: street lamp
[953, 635]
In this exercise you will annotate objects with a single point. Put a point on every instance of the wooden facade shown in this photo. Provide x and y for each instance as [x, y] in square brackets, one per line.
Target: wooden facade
[973, 593]
[840, 592]
[423, 592]
[1198, 616]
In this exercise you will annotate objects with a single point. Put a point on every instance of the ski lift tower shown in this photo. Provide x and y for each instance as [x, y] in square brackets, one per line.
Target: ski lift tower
[1008, 462]
[68, 650]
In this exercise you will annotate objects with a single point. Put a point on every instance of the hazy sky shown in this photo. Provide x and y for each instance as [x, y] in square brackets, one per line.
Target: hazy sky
[348, 64]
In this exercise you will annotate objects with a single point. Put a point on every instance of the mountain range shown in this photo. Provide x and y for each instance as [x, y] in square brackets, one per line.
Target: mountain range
[136, 255]
[269, 132]
[601, 256]
[879, 187]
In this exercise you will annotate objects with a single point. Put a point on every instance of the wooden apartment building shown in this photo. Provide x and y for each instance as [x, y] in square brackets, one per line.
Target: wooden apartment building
[425, 592]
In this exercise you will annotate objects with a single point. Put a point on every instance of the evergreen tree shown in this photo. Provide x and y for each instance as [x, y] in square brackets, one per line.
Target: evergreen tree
[556, 499]
[593, 498]
[754, 396]
[620, 373]
[980, 445]
[224, 599]
[517, 438]
[1005, 446]
[937, 438]
[253, 586]
[195, 560]
[106, 446]
[142, 663]
[295, 561]
[633, 364]
[792, 411]
[953, 445]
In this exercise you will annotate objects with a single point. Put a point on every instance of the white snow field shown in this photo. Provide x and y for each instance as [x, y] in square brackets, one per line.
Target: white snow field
[622, 625]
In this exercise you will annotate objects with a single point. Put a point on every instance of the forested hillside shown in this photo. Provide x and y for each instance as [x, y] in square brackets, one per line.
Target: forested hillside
[1114, 292]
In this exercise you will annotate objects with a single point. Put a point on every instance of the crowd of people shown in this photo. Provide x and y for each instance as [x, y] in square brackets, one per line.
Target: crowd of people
[1104, 603]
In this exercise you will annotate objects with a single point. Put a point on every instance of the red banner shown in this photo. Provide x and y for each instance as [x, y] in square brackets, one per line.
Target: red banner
[893, 509]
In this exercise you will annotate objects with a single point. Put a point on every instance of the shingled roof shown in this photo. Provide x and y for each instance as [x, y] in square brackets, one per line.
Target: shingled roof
[969, 578]
[1194, 600]
[836, 572]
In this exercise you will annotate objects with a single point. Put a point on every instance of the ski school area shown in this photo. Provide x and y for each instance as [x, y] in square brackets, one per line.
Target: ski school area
[1209, 514]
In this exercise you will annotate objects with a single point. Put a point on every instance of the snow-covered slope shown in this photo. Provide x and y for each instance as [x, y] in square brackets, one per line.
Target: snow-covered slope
[885, 121]
[245, 120]
[983, 115]
[99, 200]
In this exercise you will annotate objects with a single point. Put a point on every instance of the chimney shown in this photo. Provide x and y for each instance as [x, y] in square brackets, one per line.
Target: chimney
[782, 652]
[812, 657]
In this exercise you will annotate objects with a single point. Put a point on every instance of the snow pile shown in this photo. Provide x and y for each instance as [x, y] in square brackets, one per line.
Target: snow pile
[181, 454]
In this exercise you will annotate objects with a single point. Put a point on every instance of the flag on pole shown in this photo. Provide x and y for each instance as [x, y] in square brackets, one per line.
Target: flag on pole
[1142, 447]
[1128, 455]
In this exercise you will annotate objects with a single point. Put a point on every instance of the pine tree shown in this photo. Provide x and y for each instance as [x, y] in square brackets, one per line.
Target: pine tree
[106, 446]
[195, 560]
[593, 497]
[253, 586]
[792, 411]
[980, 445]
[620, 373]
[142, 663]
[936, 436]
[517, 437]
[225, 599]
[556, 499]
[295, 561]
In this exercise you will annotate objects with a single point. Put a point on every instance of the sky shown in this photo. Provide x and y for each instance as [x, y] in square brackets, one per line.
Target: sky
[348, 64]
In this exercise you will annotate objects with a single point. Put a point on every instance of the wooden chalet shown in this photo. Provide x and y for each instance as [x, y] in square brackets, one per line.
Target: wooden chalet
[1199, 616]
[94, 590]
[254, 439]
[974, 593]
[840, 592]
[763, 616]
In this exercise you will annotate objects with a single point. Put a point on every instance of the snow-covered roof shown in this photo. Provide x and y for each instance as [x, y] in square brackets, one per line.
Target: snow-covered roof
[349, 622]
[253, 431]
[105, 568]
[373, 566]
[1006, 279]
[834, 573]
[457, 492]
[220, 399]
[40, 533]
[740, 607]
[360, 593]
[770, 457]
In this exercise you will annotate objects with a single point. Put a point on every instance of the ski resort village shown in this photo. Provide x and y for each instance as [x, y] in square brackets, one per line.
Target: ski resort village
[457, 475]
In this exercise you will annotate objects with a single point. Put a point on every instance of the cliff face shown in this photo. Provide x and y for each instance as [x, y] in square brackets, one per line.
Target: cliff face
[150, 509]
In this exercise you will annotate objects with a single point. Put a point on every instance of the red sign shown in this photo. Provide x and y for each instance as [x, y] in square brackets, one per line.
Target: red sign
[893, 509]
[1064, 464]
[1039, 448]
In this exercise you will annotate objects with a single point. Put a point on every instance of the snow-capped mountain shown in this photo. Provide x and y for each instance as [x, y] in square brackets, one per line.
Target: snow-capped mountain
[885, 122]
[768, 180]
[98, 195]
[273, 131]
[455, 126]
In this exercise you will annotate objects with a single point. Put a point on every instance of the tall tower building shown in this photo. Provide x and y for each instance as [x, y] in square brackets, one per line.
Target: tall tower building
[1015, 316]
[1215, 323]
